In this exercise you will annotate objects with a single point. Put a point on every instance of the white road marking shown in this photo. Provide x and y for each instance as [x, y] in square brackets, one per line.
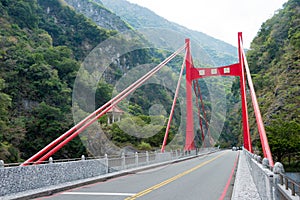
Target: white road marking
[99, 193]
[152, 170]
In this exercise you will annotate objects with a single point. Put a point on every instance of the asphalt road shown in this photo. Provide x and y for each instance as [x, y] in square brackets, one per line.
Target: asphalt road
[204, 178]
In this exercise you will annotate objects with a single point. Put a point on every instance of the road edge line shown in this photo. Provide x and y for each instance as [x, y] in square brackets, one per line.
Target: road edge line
[223, 195]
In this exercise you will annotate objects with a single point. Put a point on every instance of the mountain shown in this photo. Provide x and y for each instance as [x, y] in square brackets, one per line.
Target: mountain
[42, 44]
[99, 14]
[42, 47]
[275, 64]
[214, 52]
[168, 36]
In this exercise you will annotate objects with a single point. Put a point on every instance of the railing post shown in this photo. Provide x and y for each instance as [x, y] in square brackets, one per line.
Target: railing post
[123, 160]
[136, 158]
[50, 160]
[269, 182]
[281, 179]
[106, 163]
[293, 189]
[265, 163]
[277, 179]
[258, 159]
[147, 157]
[1, 163]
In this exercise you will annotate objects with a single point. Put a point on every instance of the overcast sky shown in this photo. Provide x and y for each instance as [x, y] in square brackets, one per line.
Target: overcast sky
[221, 19]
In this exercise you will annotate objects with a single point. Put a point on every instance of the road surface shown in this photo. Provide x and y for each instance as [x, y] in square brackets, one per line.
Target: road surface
[203, 177]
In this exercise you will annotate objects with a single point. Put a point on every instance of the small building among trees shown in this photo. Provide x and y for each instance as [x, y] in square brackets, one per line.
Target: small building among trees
[114, 114]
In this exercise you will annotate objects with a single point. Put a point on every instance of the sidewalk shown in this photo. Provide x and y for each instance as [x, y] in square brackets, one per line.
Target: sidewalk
[244, 187]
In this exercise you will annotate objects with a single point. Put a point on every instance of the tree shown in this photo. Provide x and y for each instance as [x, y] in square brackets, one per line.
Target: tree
[8, 152]
[45, 124]
[284, 138]
[5, 102]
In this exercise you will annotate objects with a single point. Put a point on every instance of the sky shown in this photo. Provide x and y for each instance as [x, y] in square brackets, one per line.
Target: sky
[221, 19]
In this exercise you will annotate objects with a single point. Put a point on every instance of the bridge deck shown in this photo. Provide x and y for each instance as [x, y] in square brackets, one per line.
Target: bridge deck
[203, 177]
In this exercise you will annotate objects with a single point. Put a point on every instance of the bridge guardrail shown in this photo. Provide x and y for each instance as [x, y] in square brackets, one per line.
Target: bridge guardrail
[18, 179]
[271, 182]
[289, 185]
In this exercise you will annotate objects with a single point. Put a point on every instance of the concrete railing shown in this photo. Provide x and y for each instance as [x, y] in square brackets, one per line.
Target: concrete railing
[20, 179]
[269, 181]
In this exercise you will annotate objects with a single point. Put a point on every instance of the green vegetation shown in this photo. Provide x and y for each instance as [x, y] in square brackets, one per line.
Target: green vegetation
[36, 97]
[284, 139]
[102, 16]
[68, 28]
[275, 64]
[150, 131]
[41, 46]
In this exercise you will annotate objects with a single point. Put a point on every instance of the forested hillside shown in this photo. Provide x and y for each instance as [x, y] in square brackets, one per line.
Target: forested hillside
[42, 44]
[274, 61]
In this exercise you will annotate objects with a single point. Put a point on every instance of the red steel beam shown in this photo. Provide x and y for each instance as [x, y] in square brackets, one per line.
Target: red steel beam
[246, 132]
[189, 137]
[230, 70]
[172, 109]
[204, 113]
[260, 125]
[196, 86]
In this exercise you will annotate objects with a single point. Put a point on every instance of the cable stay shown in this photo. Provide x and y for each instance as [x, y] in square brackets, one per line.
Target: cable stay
[199, 115]
[205, 137]
[173, 106]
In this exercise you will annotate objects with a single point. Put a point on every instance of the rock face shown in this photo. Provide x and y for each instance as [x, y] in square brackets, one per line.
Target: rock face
[99, 14]
[122, 15]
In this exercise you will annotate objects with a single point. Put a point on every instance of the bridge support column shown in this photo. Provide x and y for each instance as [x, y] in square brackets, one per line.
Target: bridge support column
[189, 136]
[246, 133]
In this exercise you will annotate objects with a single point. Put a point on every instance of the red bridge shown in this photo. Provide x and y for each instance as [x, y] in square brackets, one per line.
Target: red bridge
[207, 173]
[239, 69]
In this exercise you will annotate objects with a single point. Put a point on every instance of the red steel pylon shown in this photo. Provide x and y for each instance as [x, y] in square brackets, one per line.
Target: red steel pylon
[193, 73]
